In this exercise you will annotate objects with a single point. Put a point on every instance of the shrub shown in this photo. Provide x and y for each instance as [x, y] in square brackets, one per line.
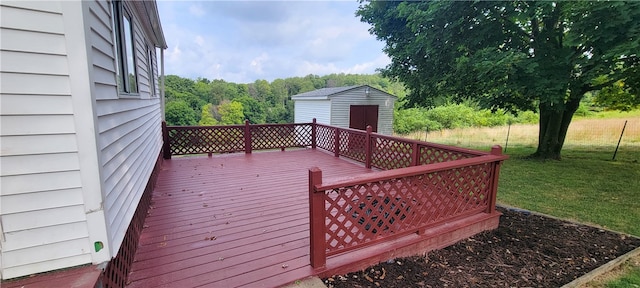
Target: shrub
[527, 117]
[413, 119]
[452, 116]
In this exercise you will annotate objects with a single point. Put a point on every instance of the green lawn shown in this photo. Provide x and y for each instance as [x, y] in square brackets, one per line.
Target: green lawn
[631, 279]
[585, 186]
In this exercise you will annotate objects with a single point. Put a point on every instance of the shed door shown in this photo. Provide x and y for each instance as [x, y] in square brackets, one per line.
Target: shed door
[361, 116]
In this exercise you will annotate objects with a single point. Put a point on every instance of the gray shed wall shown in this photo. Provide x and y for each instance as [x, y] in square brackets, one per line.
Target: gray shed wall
[340, 108]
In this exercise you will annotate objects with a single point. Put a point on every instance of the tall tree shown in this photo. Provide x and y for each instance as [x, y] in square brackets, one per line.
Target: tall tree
[231, 113]
[252, 109]
[178, 113]
[518, 55]
[206, 117]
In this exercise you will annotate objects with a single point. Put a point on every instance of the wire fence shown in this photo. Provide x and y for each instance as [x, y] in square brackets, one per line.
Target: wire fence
[620, 137]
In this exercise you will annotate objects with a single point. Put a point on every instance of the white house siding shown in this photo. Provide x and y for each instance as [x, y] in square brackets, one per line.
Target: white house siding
[43, 220]
[341, 102]
[306, 110]
[129, 135]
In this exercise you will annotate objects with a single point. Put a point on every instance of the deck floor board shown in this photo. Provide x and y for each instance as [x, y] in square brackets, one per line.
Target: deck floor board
[256, 207]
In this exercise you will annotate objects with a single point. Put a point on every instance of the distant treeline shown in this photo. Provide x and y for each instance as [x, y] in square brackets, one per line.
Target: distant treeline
[213, 102]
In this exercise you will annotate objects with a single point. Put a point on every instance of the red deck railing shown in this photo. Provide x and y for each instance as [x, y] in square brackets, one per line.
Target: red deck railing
[185, 140]
[423, 184]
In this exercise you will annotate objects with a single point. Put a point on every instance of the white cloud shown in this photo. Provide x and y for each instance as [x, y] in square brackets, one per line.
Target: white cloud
[196, 10]
[173, 55]
[243, 41]
[368, 67]
[256, 63]
[307, 68]
[199, 40]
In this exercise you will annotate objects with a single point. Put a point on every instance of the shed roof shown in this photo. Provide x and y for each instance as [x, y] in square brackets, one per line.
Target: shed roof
[326, 93]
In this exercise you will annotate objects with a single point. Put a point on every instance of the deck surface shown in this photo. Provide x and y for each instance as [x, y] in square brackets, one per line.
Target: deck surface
[231, 220]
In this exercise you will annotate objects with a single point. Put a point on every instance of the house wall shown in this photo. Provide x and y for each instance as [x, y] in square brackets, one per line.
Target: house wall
[306, 110]
[42, 213]
[341, 102]
[75, 156]
[128, 126]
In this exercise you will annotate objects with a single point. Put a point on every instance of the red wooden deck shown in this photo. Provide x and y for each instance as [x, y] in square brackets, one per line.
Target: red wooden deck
[231, 220]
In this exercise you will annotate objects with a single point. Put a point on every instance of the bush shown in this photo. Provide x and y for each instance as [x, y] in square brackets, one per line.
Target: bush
[451, 116]
[526, 117]
[413, 119]
[583, 111]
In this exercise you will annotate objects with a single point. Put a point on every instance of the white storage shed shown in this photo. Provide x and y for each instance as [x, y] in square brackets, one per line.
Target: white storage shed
[349, 107]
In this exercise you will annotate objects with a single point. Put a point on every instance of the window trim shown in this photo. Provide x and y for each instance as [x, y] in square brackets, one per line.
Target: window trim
[120, 12]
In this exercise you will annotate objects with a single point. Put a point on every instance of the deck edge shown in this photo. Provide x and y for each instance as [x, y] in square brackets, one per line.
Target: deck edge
[438, 237]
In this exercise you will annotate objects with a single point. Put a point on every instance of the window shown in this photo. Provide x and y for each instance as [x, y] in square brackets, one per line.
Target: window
[152, 73]
[125, 49]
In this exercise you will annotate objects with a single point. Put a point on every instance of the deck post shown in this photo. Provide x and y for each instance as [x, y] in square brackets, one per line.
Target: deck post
[495, 150]
[314, 134]
[415, 151]
[166, 147]
[247, 137]
[367, 148]
[318, 253]
[336, 143]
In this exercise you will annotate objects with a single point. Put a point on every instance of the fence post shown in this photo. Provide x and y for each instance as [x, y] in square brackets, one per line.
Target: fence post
[318, 253]
[247, 137]
[336, 143]
[619, 140]
[495, 150]
[367, 148]
[166, 147]
[313, 134]
[415, 152]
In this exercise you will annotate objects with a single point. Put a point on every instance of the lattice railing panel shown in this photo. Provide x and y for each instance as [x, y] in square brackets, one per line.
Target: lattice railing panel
[356, 215]
[391, 153]
[352, 144]
[325, 137]
[206, 139]
[430, 155]
[280, 136]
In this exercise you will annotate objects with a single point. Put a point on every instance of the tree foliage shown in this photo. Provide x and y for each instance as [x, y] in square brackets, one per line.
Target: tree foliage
[516, 55]
[206, 118]
[617, 97]
[179, 113]
[252, 109]
[261, 101]
[231, 113]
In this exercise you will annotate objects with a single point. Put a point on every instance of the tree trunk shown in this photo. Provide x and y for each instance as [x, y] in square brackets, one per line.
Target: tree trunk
[554, 124]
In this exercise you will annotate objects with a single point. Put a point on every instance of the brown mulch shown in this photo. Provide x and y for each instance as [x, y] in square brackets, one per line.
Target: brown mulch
[526, 250]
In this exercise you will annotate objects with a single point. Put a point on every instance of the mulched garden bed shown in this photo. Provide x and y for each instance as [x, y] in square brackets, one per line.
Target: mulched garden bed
[526, 250]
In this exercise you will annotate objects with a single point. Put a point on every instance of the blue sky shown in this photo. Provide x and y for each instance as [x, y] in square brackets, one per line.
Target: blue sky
[243, 41]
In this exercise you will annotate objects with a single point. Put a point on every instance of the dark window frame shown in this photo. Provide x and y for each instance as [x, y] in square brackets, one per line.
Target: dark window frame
[127, 80]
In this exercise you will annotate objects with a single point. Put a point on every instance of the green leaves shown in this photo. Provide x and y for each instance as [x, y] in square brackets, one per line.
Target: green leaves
[534, 49]
[178, 113]
[516, 55]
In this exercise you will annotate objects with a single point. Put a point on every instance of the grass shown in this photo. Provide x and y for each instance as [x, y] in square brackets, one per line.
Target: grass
[632, 279]
[586, 186]
[626, 275]
[583, 133]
